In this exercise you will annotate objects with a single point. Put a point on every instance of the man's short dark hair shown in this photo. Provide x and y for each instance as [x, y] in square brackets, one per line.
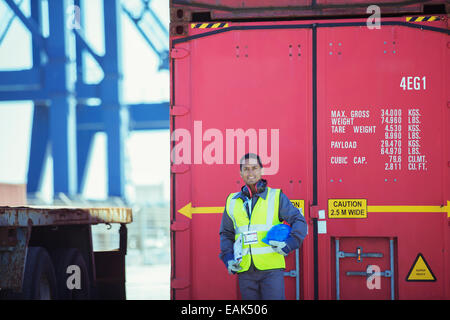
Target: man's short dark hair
[250, 156]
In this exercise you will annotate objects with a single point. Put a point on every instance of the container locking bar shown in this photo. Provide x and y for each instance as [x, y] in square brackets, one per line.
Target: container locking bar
[359, 254]
[386, 273]
[295, 274]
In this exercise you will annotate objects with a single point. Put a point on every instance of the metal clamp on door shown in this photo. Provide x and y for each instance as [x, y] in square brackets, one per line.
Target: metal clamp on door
[291, 273]
[359, 255]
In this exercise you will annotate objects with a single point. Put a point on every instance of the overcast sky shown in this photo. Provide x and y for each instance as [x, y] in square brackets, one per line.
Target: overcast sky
[147, 153]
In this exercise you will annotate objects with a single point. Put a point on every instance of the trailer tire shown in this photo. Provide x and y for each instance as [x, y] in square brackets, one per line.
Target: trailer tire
[63, 258]
[39, 281]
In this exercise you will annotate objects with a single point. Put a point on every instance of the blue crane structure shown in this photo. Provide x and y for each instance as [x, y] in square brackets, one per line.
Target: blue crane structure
[63, 120]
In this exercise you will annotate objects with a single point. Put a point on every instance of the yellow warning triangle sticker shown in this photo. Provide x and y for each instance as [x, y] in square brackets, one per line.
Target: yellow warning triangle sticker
[420, 270]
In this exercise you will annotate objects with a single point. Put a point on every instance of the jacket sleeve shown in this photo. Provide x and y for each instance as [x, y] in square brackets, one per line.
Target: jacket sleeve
[227, 236]
[299, 227]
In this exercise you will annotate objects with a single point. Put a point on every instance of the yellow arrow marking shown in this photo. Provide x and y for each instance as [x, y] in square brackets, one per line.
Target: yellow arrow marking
[188, 210]
[436, 209]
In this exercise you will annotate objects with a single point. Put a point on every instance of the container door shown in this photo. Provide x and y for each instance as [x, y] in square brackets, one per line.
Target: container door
[235, 91]
[381, 140]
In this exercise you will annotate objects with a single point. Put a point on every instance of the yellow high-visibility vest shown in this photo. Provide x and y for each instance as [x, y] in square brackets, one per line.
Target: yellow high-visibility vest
[264, 216]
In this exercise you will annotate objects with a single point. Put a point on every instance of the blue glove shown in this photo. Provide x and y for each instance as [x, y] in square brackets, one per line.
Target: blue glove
[279, 247]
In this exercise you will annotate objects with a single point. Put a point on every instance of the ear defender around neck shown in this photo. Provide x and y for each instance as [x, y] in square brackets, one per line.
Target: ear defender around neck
[260, 187]
[246, 191]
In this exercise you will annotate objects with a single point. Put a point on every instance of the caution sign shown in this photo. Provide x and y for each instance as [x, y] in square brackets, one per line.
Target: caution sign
[420, 270]
[300, 204]
[347, 208]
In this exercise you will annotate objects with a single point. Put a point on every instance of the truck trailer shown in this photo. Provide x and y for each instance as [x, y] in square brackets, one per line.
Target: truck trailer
[348, 105]
[46, 253]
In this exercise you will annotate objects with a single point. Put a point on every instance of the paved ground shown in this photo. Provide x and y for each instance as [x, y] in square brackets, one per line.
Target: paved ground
[148, 282]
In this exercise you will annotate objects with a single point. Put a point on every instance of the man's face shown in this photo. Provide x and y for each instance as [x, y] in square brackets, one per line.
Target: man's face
[251, 171]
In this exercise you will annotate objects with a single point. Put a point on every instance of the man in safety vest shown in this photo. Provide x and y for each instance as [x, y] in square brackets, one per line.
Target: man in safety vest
[248, 216]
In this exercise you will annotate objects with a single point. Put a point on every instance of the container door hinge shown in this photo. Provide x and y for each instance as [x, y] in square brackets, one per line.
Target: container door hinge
[313, 211]
[179, 283]
[180, 168]
[177, 111]
[178, 226]
[179, 53]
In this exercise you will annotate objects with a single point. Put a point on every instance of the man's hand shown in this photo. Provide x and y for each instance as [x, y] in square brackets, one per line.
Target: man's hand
[233, 266]
[278, 247]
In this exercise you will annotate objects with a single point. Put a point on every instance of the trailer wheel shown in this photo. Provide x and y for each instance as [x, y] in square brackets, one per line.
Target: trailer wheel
[39, 281]
[63, 259]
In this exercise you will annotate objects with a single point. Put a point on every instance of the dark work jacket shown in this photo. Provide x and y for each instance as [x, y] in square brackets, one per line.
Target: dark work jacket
[287, 212]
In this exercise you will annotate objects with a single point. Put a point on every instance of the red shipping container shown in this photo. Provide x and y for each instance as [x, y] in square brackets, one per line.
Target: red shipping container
[182, 10]
[351, 121]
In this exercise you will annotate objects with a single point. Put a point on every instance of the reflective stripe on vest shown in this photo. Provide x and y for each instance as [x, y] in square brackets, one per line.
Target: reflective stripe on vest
[263, 218]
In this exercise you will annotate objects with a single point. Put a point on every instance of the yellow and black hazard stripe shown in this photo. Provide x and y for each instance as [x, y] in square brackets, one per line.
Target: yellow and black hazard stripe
[209, 25]
[423, 19]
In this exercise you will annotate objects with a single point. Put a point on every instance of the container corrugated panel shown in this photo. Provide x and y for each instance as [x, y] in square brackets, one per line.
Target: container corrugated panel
[350, 120]
[238, 9]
